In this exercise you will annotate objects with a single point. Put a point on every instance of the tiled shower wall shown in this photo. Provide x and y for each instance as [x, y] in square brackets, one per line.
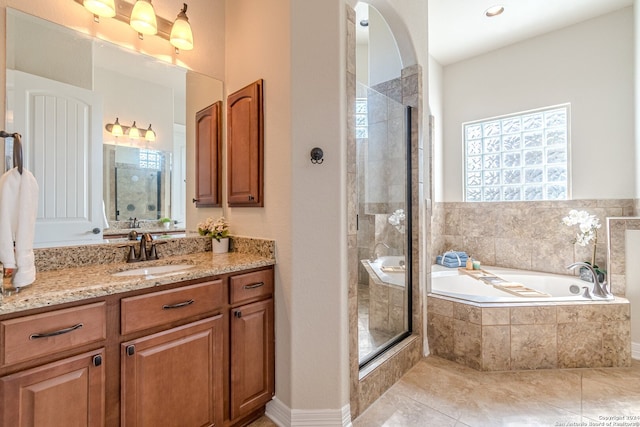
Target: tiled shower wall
[523, 235]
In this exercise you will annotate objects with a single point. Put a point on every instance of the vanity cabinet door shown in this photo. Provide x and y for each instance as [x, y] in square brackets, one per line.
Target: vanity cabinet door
[69, 392]
[209, 156]
[252, 357]
[245, 146]
[174, 378]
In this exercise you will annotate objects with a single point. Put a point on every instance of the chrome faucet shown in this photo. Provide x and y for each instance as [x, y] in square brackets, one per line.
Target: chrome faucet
[374, 254]
[600, 290]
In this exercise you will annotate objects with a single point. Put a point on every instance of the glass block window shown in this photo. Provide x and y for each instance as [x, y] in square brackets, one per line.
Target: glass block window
[518, 157]
[150, 159]
[362, 120]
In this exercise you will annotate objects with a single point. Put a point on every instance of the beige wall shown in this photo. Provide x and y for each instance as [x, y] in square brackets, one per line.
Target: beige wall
[590, 65]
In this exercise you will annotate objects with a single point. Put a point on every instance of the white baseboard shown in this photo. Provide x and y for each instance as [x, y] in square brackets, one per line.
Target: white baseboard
[283, 416]
[635, 350]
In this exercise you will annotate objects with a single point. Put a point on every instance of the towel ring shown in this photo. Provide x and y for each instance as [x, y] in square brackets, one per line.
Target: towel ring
[18, 160]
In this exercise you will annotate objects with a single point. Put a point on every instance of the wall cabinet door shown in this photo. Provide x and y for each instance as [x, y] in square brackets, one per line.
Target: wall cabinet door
[174, 378]
[69, 392]
[245, 146]
[209, 156]
[252, 357]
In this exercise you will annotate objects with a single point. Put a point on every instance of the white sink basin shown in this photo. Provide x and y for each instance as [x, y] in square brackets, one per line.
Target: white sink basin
[155, 270]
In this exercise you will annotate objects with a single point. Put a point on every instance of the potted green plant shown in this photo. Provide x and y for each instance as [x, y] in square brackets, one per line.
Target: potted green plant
[166, 222]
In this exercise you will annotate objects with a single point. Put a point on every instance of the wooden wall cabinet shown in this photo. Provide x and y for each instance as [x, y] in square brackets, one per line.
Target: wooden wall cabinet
[245, 146]
[209, 156]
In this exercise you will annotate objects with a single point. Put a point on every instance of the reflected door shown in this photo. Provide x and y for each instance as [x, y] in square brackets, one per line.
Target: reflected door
[61, 127]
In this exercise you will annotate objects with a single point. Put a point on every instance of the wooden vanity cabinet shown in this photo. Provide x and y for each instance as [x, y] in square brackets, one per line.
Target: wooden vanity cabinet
[252, 352]
[198, 353]
[69, 392]
[61, 389]
[174, 378]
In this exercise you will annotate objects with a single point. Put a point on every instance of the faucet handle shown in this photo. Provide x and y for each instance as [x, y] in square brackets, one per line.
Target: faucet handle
[153, 252]
[131, 256]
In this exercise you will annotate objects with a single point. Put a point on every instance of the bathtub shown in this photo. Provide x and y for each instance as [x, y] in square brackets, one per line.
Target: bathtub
[456, 284]
[475, 324]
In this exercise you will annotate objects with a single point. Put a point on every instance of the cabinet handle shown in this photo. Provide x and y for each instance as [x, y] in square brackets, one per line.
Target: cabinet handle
[178, 305]
[131, 350]
[194, 200]
[237, 314]
[54, 333]
[255, 285]
[250, 197]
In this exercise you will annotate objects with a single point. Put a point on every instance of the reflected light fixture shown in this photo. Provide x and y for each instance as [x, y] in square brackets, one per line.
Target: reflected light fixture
[105, 8]
[181, 36]
[116, 129]
[150, 135]
[494, 11]
[134, 133]
[143, 18]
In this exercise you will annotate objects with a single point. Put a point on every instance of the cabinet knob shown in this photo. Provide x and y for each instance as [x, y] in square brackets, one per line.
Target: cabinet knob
[194, 200]
[97, 360]
[131, 350]
[237, 314]
[251, 197]
[96, 230]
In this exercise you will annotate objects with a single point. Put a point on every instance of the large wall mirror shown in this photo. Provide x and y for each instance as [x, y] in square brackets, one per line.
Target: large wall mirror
[63, 88]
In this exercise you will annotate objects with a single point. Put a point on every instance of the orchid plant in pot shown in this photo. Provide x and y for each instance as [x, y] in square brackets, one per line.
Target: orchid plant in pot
[588, 234]
[218, 230]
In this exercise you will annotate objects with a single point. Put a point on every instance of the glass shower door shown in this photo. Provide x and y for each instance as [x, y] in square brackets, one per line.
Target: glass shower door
[384, 244]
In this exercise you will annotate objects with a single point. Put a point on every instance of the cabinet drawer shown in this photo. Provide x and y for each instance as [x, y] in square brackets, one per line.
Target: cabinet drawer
[30, 337]
[250, 285]
[163, 307]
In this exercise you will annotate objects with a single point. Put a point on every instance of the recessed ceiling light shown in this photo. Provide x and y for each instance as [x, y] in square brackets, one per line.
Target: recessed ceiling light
[494, 11]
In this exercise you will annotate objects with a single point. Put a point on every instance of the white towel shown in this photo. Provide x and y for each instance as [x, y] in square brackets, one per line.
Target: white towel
[18, 211]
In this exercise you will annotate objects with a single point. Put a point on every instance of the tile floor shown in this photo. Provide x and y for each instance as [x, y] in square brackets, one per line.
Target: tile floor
[437, 392]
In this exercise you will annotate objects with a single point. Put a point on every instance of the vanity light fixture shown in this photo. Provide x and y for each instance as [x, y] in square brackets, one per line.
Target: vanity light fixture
[104, 8]
[181, 36]
[494, 11]
[142, 18]
[133, 132]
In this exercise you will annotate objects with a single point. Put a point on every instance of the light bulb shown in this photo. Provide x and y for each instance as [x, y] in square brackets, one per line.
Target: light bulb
[150, 135]
[143, 18]
[116, 129]
[181, 35]
[104, 8]
[134, 133]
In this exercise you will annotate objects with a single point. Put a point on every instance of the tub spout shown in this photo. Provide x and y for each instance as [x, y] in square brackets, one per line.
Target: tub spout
[374, 254]
[599, 290]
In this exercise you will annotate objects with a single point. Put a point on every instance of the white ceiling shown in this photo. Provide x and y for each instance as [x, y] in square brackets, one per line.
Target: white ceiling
[458, 29]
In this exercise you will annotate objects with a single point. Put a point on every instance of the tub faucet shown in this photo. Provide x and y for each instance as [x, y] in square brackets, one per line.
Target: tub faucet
[599, 290]
[374, 254]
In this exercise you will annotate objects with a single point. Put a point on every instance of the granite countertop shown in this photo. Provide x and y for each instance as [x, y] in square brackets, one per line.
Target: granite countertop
[76, 284]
